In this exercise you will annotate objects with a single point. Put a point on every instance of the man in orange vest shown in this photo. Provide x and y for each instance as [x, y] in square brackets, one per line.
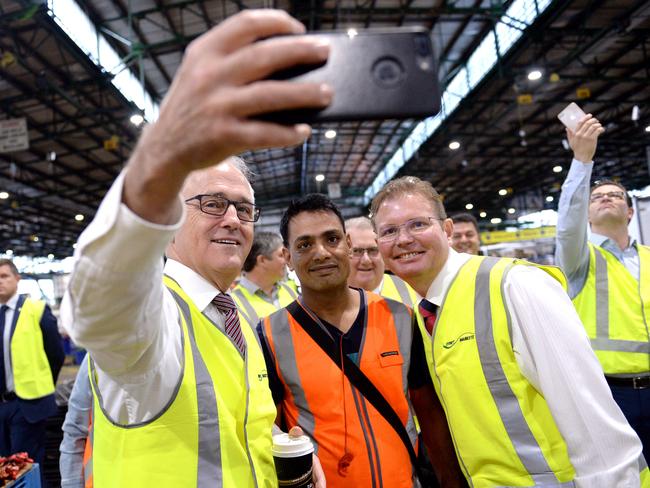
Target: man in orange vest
[308, 375]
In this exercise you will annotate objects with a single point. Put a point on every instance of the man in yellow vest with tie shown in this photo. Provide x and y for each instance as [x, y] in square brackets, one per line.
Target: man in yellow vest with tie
[31, 357]
[367, 268]
[523, 393]
[609, 277]
[262, 289]
[180, 388]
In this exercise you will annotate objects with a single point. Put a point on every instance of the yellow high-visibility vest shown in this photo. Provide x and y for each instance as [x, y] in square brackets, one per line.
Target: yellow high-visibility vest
[614, 308]
[31, 369]
[253, 307]
[503, 430]
[216, 430]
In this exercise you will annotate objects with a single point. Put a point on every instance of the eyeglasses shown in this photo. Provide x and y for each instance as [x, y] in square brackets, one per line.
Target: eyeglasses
[412, 227]
[613, 195]
[358, 252]
[217, 206]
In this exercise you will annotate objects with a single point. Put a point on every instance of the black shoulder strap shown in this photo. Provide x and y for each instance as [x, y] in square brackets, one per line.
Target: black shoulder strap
[356, 377]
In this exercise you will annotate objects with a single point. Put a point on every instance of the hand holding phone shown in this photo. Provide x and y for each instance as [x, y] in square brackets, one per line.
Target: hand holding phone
[374, 74]
[571, 116]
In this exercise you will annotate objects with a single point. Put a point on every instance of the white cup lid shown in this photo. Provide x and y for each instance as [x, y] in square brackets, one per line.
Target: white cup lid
[285, 446]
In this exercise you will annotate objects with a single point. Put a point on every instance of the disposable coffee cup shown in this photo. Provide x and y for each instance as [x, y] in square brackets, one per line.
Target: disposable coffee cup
[293, 461]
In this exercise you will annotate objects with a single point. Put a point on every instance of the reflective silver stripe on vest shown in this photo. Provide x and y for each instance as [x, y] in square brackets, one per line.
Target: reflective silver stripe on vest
[285, 355]
[209, 452]
[250, 315]
[403, 291]
[404, 327]
[88, 467]
[602, 342]
[523, 440]
[292, 293]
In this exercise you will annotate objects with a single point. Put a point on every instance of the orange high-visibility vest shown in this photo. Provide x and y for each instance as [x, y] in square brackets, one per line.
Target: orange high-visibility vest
[319, 398]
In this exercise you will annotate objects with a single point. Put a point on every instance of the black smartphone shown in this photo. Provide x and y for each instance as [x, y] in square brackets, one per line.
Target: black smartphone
[375, 74]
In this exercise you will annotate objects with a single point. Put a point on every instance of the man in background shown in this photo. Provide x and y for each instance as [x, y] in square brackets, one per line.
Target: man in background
[465, 236]
[367, 269]
[262, 289]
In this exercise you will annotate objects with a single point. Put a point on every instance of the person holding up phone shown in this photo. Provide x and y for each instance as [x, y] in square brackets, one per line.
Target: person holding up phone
[180, 388]
[609, 276]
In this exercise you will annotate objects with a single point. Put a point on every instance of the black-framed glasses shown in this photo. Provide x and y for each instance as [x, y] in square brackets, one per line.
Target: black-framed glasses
[412, 227]
[358, 252]
[217, 205]
[612, 195]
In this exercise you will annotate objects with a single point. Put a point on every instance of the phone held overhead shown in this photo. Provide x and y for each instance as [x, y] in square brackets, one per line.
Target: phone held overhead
[374, 73]
[571, 115]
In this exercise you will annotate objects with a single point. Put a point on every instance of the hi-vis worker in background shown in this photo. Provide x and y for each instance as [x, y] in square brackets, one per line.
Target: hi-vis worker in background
[609, 277]
[262, 288]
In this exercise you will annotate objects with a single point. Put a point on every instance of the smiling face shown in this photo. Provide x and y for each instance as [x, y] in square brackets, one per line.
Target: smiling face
[608, 206]
[416, 258]
[214, 247]
[465, 238]
[367, 269]
[319, 250]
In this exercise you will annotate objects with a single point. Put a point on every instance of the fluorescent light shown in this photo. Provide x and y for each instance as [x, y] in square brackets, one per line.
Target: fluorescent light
[453, 145]
[534, 75]
[136, 119]
[469, 206]
[495, 220]
[503, 192]
[483, 215]
[79, 217]
[330, 134]
[557, 169]
[549, 198]
[4, 195]
[320, 177]
[511, 211]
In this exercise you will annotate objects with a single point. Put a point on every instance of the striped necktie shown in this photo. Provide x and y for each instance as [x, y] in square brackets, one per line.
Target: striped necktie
[226, 306]
[428, 311]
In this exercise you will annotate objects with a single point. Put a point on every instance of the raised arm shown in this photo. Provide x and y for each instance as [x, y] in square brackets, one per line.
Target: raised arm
[572, 251]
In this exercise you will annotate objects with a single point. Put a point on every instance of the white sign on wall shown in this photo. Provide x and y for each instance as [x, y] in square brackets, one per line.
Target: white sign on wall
[13, 135]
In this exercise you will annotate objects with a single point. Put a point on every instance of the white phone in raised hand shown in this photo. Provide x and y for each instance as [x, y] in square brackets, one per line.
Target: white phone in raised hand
[571, 115]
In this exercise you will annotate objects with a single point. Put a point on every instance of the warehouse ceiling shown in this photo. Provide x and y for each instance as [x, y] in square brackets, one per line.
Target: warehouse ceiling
[593, 52]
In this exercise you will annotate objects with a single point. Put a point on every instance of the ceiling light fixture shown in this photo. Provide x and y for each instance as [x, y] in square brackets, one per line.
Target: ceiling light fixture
[453, 145]
[330, 134]
[9, 252]
[136, 119]
[352, 33]
[511, 210]
[534, 75]
[79, 217]
[320, 178]
[557, 169]
[503, 192]
[647, 129]
[483, 215]
[495, 220]
[549, 198]
[469, 206]
[50, 256]
[4, 195]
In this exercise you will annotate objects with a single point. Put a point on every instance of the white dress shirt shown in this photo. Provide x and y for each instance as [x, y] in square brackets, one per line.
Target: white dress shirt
[118, 308]
[554, 354]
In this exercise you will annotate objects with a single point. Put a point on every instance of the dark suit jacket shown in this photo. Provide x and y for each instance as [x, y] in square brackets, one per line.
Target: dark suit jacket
[41, 408]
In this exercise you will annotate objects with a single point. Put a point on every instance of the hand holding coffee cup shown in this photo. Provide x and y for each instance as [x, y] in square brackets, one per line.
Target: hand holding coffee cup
[293, 456]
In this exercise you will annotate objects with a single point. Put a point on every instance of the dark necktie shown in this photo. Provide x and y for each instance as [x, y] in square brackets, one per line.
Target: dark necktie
[428, 311]
[226, 305]
[3, 313]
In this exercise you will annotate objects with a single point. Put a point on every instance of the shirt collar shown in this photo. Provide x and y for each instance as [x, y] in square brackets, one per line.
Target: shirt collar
[12, 302]
[379, 287]
[440, 285]
[200, 290]
[604, 241]
[248, 285]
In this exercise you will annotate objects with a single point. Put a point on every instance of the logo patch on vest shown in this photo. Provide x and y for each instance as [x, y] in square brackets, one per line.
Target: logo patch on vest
[389, 353]
[465, 336]
[262, 375]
